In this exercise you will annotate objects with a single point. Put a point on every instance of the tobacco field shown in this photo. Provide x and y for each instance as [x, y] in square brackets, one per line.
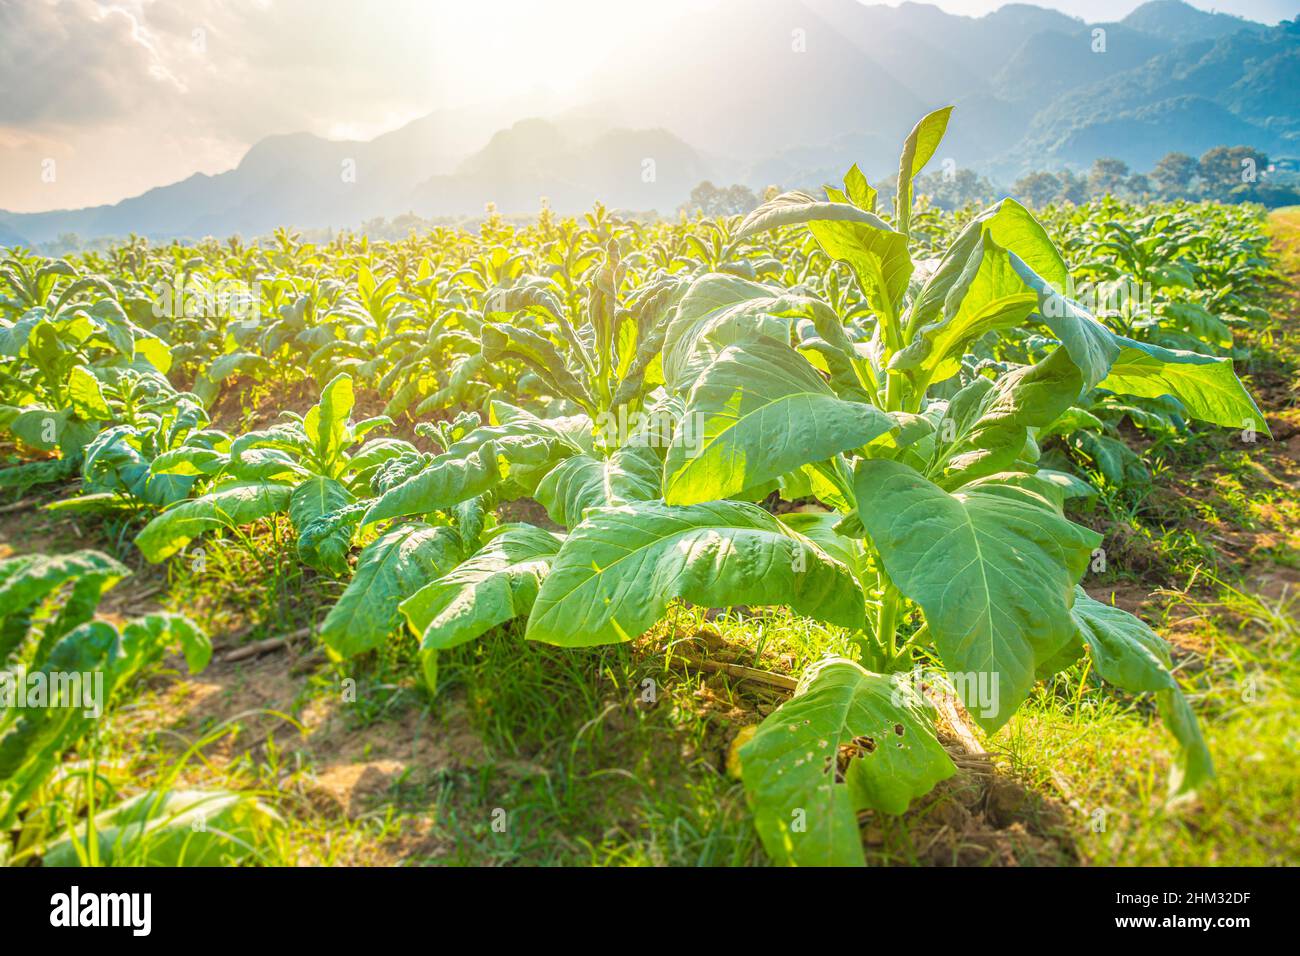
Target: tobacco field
[844, 532]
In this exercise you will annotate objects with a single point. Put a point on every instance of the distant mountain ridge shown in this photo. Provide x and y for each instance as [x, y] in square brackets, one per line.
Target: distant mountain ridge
[769, 91]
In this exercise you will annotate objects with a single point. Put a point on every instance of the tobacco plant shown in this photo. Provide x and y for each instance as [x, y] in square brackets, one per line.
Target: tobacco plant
[943, 543]
[304, 465]
[59, 672]
[971, 565]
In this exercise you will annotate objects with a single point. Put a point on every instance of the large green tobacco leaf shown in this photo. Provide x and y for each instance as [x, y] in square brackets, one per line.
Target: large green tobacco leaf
[619, 569]
[389, 570]
[768, 317]
[989, 422]
[875, 252]
[287, 438]
[819, 528]
[31, 473]
[918, 148]
[326, 423]
[976, 289]
[189, 461]
[48, 430]
[312, 500]
[1198, 321]
[821, 338]
[716, 311]
[1128, 654]
[86, 395]
[324, 541]
[993, 569]
[173, 828]
[371, 456]
[27, 580]
[758, 412]
[826, 481]
[540, 355]
[32, 738]
[639, 339]
[264, 464]
[114, 463]
[1207, 387]
[496, 585]
[226, 507]
[480, 461]
[1091, 345]
[631, 473]
[706, 296]
[804, 794]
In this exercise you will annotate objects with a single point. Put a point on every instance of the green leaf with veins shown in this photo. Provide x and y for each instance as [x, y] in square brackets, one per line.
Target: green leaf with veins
[848, 740]
[1093, 347]
[496, 585]
[1207, 387]
[976, 289]
[1128, 654]
[389, 570]
[227, 506]
[326, 423]
[630, 473]
[312, 500]
[876, 253]
[918, 148]
[619, 569]
[483, 459]
[759, 412]
[993, 569]
[989, 421]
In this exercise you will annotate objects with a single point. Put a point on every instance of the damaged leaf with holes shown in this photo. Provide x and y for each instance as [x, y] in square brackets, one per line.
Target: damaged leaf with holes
[849, 740]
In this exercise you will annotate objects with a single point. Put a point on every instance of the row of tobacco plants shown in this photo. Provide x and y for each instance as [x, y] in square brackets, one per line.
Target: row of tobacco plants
[935, 389]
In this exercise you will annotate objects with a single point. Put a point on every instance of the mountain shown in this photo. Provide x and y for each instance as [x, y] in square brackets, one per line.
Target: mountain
[1053, 62]
[297, 178]
[9, 238]
[1193, 122]
[1177, 21]
[631, 169]
[924, 40]
[1237, 89]
[762, 92]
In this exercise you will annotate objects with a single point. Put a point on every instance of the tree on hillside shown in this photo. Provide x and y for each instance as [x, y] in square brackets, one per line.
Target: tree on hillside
[1037, 189]
[1138, 186]
[1074, 187]
[1173, 175]
[1224, 170]
[711, 200]
[954, 191]
[1107, 176]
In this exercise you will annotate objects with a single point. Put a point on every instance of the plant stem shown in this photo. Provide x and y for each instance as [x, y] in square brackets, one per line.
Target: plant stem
[920, 633]
[887, 618]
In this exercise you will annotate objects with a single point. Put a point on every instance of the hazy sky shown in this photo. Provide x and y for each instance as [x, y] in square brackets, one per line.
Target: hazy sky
[102, 100]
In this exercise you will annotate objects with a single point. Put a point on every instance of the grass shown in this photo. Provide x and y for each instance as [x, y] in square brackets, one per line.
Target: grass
[1105, 752]
[1223, 523]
